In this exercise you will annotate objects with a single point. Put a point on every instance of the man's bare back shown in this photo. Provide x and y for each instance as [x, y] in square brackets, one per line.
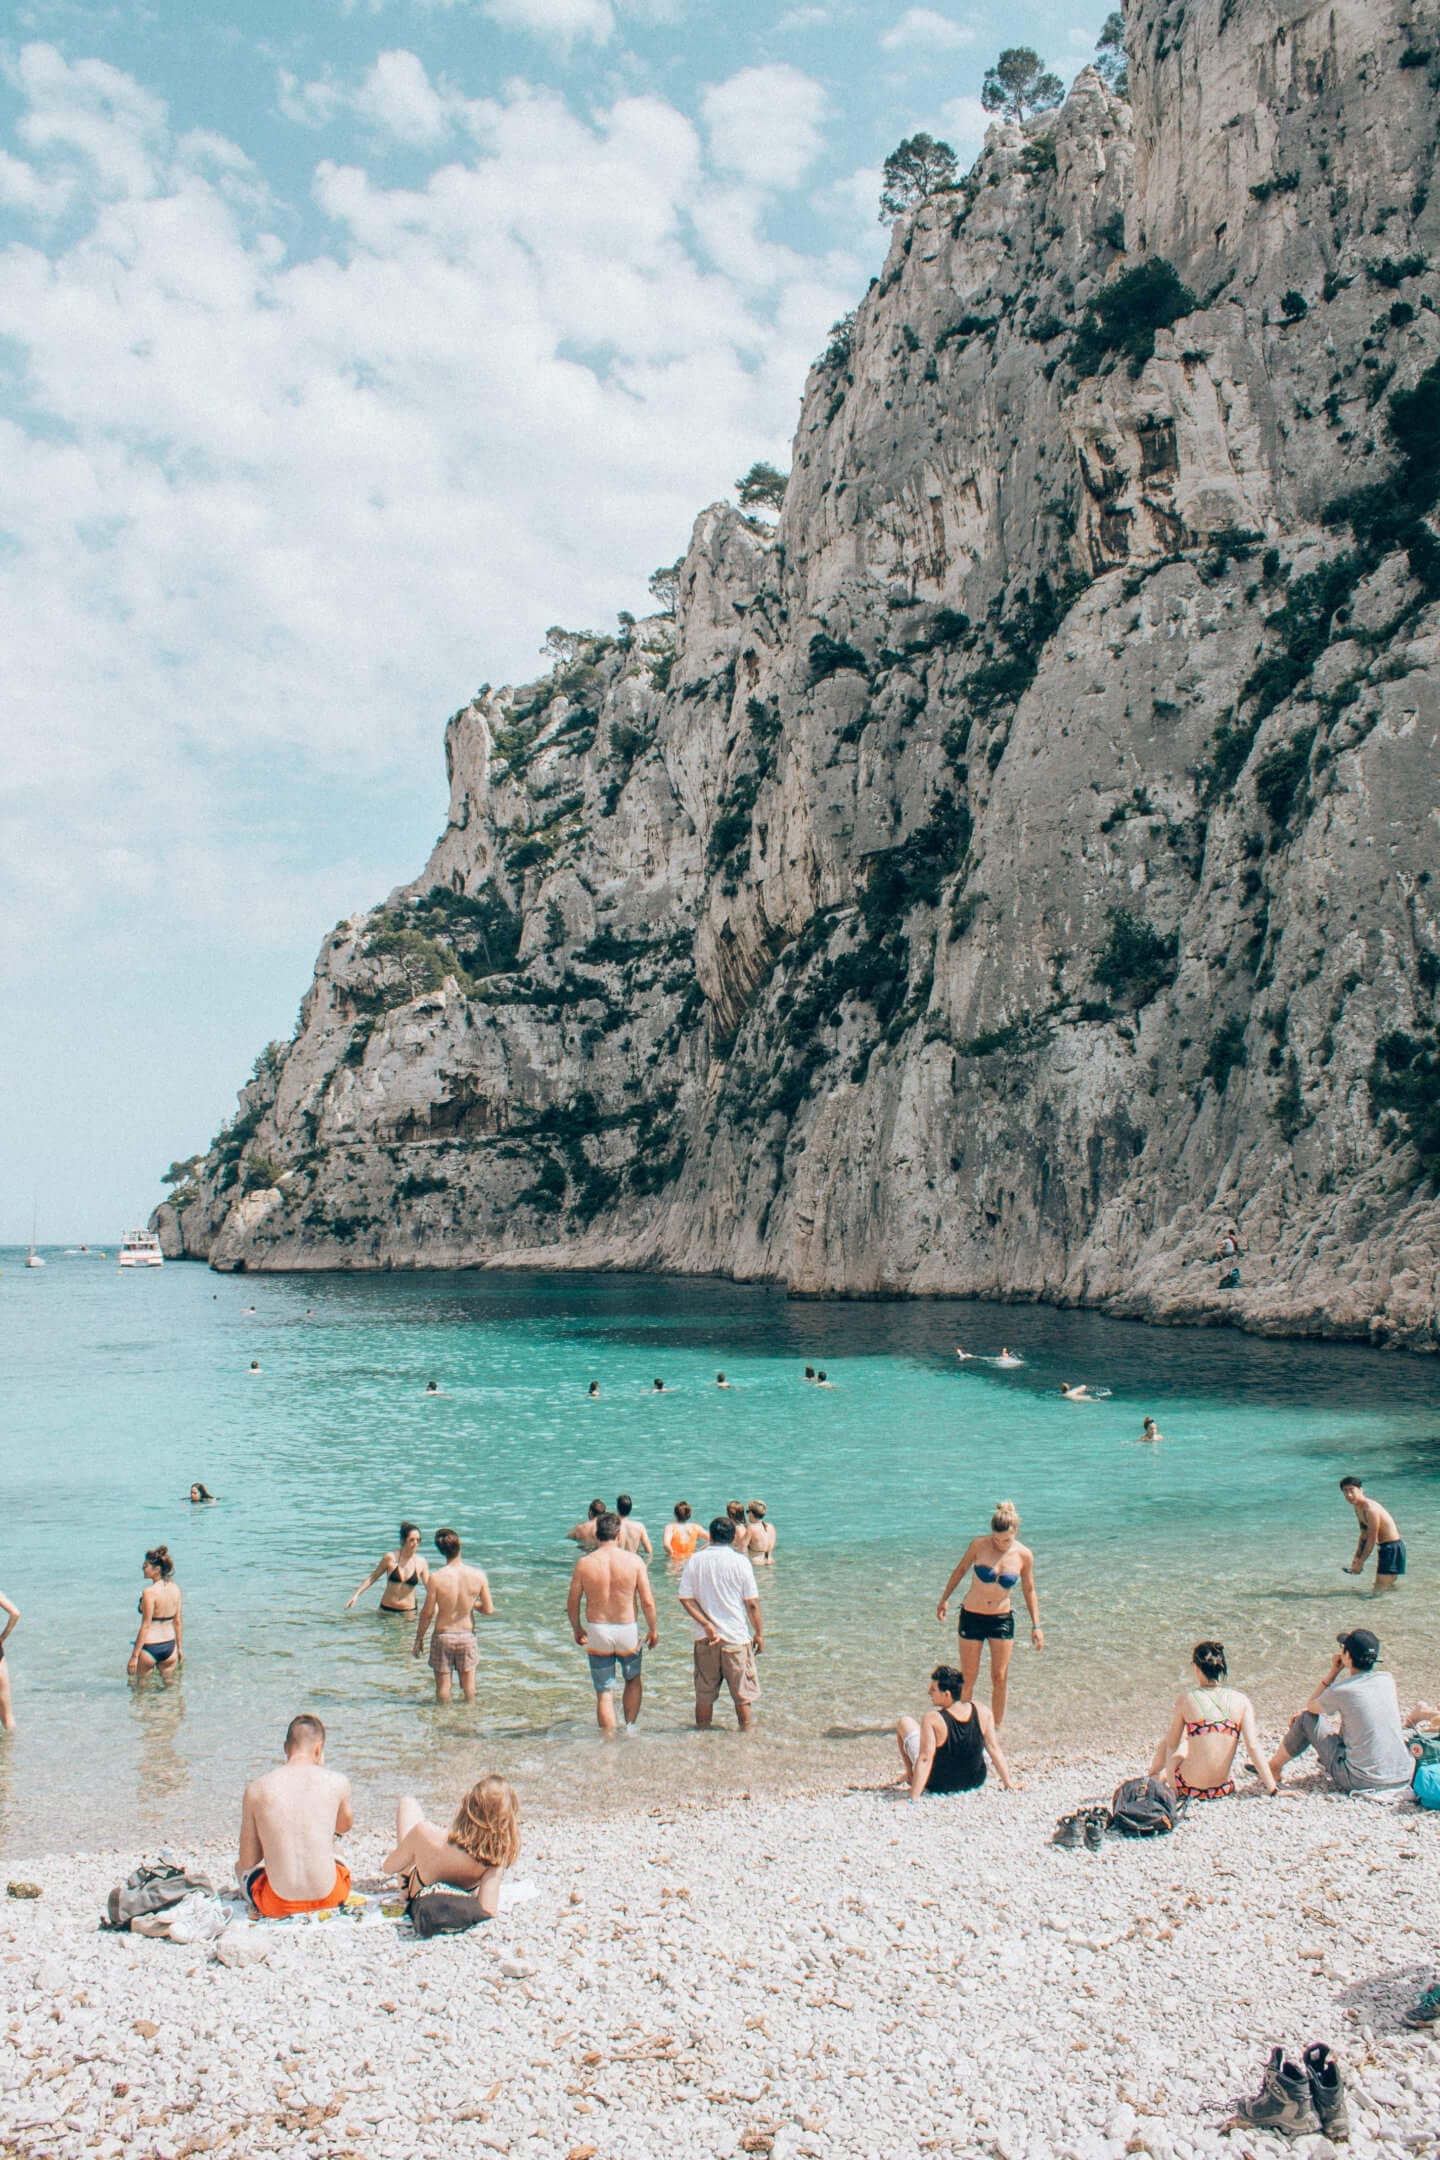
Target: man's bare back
[455, 1591]
[290, 1820]
[611, 1581]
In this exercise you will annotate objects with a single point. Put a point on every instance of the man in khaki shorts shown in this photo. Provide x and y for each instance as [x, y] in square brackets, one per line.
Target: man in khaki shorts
[452, 1595]
[719, 1592]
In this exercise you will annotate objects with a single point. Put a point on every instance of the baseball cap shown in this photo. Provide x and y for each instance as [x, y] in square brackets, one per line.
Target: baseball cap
[1363, 1647]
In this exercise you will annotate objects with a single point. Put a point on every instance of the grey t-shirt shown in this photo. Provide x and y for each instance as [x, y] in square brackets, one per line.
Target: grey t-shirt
[1369, 1713]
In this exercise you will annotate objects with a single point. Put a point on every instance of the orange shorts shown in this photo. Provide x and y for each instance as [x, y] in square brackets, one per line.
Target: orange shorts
[271, 1906]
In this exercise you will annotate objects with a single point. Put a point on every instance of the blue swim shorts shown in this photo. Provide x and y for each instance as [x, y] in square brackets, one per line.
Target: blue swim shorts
[1390, 1557]
[602, 1669]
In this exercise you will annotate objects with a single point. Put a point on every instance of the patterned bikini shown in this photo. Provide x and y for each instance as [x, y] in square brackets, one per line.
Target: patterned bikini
[1206, 1792]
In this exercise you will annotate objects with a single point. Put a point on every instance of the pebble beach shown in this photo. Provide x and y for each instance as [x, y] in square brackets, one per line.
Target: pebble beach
[826, 1974]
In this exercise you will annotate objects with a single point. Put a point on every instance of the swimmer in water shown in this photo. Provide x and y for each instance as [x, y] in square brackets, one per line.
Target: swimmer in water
[683, 1536]
[964, 1355]
[1076, 1394]
[809, 1372]
[254, 1364]
[821, 1381]
[1150, 1430]
[761, 1547]
[593, 1391]
[404, 1570]
[1007, 1357]
[584, 1533]
[432, 1387]
[247, 1308]
[721, 1381]
[659, 1388]
[201, 1496]
[735, 1510]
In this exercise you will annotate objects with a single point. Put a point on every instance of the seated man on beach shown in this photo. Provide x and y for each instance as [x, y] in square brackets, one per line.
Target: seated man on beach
[1368, 1752]
[946, 1751]
[451, 1597]
[471, 1856]
[719, 1591]
[288, 1827]
[1378, 1534]
[609, 1583]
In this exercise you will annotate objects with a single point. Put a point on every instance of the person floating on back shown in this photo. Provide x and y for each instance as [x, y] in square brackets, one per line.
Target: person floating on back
[1368, 1752]
[1378, 1533]
[719, 1592]
[452, 1594]
[605, 1588]
[945, 1752]
[288, 1827]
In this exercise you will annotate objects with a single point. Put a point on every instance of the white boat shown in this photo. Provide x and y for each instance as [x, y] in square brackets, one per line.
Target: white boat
[141, 1248]
[32, 1258]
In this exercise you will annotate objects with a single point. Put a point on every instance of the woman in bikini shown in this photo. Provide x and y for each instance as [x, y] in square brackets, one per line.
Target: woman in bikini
[999, 1562]
[157, 1643]
[1208, 1724]
[404, 1572]
[761, 1547]
[682, 1537]
[472, 1855]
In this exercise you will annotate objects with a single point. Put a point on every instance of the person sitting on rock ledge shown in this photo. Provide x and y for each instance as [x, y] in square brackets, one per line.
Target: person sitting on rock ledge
[945, 1752]
[1368, 1752]
[288, 1825]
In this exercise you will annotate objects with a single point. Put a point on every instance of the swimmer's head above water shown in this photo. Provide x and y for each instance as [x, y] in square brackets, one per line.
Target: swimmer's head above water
[594, 1388]
[659, 1387]
[432, 1387]
[682, 1511]
[624, 1505]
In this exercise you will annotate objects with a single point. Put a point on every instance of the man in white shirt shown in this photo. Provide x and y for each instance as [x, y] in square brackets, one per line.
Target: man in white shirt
[1368, 1753]
[719, 1592]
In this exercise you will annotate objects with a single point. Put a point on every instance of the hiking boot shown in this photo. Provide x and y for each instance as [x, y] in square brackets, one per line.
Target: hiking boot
[1283, 2103]
[1097, 1822]
[1068, 1831]
[1327, 2090]
[1427, 2010]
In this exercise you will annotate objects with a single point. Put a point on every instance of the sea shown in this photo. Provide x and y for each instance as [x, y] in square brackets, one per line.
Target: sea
[121, 1389]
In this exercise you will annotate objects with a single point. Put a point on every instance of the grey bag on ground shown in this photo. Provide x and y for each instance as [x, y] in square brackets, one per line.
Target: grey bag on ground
[445, 1912]
[1143, 1807]
[150, 1890]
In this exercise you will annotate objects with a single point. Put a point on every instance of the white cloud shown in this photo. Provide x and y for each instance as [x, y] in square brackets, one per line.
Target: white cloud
[563, 20]
[764, 123]
[21, 188]
[312, 104]
[922, 29]
[275, 515]
[805, 18]
[966, 121]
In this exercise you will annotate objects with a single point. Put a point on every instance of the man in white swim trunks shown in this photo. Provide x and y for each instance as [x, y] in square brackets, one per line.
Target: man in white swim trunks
[609, 1583]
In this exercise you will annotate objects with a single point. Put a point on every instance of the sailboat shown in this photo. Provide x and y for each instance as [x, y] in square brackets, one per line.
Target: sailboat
[32, 1258]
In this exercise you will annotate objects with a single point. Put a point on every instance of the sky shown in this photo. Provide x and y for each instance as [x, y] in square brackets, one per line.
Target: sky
[345, 346]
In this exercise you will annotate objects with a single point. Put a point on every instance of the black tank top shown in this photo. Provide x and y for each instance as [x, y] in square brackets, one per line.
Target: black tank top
[959, 1764]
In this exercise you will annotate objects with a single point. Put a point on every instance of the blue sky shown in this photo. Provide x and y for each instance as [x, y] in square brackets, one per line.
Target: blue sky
[344, 347]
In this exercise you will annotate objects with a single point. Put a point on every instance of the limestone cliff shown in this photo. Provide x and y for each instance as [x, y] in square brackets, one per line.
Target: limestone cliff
[1019, 863]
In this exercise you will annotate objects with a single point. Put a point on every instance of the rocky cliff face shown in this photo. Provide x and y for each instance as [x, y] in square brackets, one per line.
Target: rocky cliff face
[1019, 864]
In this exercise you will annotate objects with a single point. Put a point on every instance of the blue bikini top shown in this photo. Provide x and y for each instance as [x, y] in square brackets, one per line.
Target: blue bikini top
[989, 1575]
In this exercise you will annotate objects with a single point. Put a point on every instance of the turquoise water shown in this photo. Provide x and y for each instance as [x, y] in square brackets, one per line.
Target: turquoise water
[123, 1388]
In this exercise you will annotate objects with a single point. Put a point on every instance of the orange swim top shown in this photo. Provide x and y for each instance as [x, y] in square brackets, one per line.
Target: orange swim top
[271, 1906]
[681, 1539]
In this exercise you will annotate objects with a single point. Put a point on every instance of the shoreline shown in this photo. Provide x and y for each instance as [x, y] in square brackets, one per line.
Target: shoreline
[1261, 1327]
[832, 1975]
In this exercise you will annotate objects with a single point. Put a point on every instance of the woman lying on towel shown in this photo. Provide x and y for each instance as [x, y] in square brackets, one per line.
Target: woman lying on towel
[472, 1855]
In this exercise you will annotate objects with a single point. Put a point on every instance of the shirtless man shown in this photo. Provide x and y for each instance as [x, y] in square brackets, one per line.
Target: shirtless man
[608, 1582]
[584, 1532]
[451, 1597]
[1378, 1533]
[288, 1827]
[634, 1537]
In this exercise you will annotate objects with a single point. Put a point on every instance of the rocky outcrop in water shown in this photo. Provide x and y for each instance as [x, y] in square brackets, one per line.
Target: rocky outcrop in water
[1018, 864]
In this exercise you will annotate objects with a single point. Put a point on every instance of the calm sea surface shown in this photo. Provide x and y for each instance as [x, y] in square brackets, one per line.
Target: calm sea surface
[121, 1389]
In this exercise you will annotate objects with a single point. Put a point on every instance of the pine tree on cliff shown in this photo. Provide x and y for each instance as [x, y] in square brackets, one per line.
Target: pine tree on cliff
[915, 170]
[1019, 83]
[1110, 59]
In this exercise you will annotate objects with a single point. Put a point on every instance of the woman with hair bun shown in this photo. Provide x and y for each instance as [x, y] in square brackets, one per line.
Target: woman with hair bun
[1208, 1724]
[157, 1643]
[999, 1562]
